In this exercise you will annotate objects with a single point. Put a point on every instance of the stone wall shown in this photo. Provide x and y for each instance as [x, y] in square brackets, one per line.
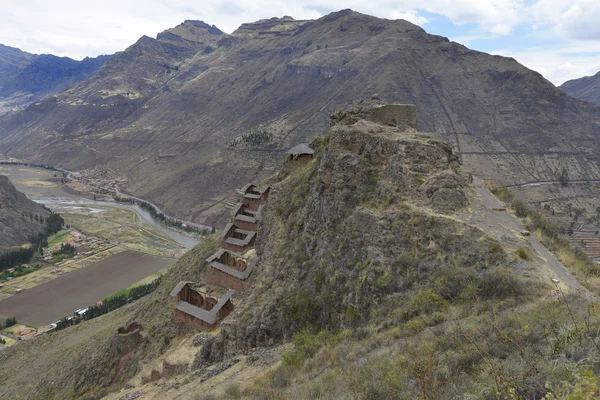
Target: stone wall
[403, 116]
[220, 278]
[245, 225]
[394, 114]
[180, 316]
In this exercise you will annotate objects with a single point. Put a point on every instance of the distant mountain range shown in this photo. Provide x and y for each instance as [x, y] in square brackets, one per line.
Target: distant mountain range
[586, 88]
[26, 77]
[192, 115]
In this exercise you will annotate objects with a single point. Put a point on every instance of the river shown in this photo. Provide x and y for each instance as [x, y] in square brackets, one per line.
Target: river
[34, 183]
[179, 237]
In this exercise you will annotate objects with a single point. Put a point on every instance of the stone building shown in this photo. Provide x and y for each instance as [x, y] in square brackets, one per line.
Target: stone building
[197, 308]
[300, 155]
[229, 269]
[245, 218]
[254, 196]
[237, 240]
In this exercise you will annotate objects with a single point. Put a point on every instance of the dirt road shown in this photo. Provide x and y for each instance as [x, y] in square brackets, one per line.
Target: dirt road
[514, 226]
[59, 297]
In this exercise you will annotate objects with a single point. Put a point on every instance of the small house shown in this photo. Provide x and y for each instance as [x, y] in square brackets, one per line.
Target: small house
[196, 308]
[237, 240]
[254, 196]
[300, 154]
[230, 269]
[245, 218]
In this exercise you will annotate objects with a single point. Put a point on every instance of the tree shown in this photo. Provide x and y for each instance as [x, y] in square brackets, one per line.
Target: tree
[564, 177]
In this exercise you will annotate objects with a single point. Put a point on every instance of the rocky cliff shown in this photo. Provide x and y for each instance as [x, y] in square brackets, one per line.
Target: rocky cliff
[586, 88]
[194, 94]
[19, 216]
[25, 78]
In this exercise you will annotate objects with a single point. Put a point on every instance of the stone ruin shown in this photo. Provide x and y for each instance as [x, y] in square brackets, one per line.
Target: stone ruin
[229, 267]
[403, 116]
[128, 338]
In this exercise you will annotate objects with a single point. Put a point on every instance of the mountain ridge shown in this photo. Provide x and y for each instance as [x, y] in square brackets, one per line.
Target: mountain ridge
[191, 99]
[586, 88]
[25, 77]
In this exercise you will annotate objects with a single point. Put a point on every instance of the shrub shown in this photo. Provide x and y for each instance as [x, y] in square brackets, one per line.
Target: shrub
[521, 208]
[523, 254]
[500, 284]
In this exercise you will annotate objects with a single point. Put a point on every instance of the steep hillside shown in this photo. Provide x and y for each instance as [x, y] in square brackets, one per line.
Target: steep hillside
[26, 77]
[191, 116]
[370, 263]
[586, 88]
[19, 216]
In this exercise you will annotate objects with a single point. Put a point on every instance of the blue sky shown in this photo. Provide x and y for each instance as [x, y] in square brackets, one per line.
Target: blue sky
[558, 38]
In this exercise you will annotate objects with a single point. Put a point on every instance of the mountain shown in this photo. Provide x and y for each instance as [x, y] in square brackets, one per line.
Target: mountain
[25, 78]
[19, 216]
[586, 88]
[381, 274]
[190, 116]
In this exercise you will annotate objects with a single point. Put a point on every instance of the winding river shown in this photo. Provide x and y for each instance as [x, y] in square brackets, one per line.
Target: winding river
[179, 237]
[34, 183]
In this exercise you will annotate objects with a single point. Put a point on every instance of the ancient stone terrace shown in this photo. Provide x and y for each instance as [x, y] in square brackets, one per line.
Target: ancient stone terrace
[245, 218]
[253, 196]
[237, 240]
[197, 308]
[230, 269]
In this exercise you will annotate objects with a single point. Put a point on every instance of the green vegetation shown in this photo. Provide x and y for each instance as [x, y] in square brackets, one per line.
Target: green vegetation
[59, 238]
[18, 272]
[22, 255]
[156, 214]
[541, 351]
[11, 321]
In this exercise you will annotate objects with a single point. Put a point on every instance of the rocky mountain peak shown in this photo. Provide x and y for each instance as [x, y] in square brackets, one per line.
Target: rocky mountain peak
[190, 30]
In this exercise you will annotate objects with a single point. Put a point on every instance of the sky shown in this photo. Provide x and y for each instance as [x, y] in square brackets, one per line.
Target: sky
[558, 38]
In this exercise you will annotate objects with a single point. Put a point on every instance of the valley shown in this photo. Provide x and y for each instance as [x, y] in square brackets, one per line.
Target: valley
[118, 245]
[347, 207]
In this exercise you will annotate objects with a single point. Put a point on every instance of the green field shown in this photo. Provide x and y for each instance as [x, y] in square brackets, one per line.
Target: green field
[123, 227]
[63, 236]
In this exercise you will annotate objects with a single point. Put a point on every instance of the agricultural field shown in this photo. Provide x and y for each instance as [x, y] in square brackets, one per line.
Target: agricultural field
[119, 226]
[54, 299]
[51, 272]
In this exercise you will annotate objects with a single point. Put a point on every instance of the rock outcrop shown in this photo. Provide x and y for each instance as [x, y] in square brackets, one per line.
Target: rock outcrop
[346, 238]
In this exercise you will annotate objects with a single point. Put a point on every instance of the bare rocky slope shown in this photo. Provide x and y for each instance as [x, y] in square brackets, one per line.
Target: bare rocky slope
[19, 216]
[366, 264]
[193, 114]
[25, 77]
[586, 88]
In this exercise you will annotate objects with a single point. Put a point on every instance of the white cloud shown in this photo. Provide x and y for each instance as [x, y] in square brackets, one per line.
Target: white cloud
[559, 63]
[79, 28]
